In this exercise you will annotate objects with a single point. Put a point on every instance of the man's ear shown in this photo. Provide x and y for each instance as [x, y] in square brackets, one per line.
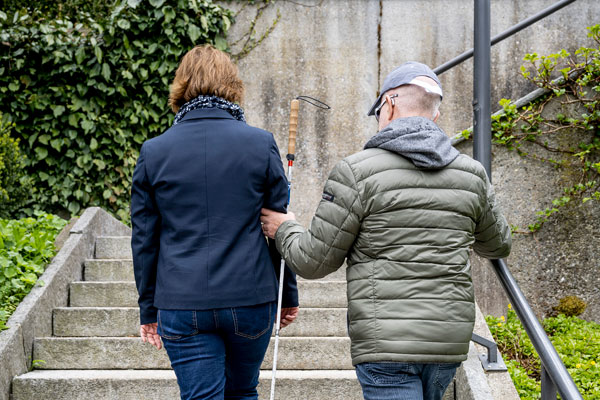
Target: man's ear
[390, 108]
[436, 116]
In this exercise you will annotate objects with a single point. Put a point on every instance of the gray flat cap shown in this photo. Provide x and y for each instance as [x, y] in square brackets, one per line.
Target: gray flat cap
[404, 75]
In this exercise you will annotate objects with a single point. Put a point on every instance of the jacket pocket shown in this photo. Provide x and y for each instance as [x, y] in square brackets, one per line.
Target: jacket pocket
[176, 324]
[252, 322]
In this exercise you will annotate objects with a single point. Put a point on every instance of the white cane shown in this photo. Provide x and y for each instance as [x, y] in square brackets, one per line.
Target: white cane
[290, 157]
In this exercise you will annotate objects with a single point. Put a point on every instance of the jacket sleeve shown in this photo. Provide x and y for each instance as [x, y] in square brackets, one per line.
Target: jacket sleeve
[145, 239]
[322, 249]
[276, 198]
[276, 193]
[492, 233]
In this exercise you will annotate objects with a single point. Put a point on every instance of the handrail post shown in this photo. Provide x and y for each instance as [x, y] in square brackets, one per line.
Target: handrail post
[482, 114]
[548, 387]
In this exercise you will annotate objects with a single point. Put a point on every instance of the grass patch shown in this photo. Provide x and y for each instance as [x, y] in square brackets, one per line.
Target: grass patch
[577, 342]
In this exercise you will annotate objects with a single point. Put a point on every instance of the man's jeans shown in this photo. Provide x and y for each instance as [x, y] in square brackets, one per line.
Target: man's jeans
[404, 381]
[216, 354]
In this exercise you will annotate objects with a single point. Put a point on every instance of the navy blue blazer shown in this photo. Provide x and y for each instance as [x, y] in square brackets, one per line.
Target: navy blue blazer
[196, 196]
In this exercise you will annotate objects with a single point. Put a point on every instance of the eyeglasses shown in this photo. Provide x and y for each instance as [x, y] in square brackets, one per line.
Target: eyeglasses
[378, 109]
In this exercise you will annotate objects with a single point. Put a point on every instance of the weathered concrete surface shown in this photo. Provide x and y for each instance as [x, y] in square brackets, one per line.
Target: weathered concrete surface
[162, 384]
[124, 294]
[303, 353]
[108, 270]
[33, 317]
[412, 31]
[113, 247]
[340, 51]
[327, 50]
[124, 321]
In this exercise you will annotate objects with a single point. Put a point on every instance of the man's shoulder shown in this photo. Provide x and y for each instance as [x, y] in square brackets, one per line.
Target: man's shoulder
[467, 164]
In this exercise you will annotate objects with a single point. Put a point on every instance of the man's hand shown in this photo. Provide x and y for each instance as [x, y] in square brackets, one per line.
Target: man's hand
[288, 315]
[272, 219]
[148, 334]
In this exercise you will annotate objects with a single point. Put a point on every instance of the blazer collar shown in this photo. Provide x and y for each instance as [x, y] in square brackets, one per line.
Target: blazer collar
[201, 113]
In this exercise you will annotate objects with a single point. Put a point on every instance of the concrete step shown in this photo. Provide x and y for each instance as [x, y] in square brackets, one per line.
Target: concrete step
[113, 247]
[124, 321]
[108, 270]
[323, 294]
[122, 270]
[297, 353]
[161, 384]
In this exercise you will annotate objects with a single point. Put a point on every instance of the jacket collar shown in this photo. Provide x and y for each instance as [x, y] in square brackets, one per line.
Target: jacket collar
[202, 113]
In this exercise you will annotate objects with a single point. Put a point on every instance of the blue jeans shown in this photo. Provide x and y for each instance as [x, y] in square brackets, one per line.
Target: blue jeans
[216, 354]
[405, 381]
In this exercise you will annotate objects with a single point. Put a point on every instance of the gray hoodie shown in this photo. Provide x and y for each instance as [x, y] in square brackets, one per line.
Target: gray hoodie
[417, 138]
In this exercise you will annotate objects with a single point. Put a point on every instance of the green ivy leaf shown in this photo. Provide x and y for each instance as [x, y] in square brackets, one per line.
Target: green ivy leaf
[169, 14]
[10, 272]
[93, 144]
[221, 43]
[157, 3]
[123, 24]
[194, 32]
[98, 52]
[41, 153]
[74, 207]
[58, 110]
[133, 3]
[106, 71]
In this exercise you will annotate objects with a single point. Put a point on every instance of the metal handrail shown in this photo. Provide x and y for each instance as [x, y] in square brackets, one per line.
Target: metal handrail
[551, 362]
[507, 33]
[555, 376]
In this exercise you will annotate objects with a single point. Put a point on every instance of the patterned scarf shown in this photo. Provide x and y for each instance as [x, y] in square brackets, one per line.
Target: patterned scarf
[203, 101]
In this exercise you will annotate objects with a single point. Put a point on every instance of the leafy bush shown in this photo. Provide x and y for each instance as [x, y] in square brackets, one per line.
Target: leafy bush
[14, 184]
[577, 342]
[26, 246]
[85, 91]
[62, 8]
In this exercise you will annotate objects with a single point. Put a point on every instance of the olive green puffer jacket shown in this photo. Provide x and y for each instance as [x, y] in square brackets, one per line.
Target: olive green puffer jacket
[406, 233]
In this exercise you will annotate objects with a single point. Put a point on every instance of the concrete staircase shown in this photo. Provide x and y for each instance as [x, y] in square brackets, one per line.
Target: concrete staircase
[95, 351]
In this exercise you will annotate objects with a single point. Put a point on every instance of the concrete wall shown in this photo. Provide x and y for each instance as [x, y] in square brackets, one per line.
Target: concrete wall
[340, 51]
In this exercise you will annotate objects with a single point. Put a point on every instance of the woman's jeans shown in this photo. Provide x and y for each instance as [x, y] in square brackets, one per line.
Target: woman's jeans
[216, 354]
[405, 381]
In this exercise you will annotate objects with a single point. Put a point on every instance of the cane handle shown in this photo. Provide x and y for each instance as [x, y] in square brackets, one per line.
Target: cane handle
[293, 126]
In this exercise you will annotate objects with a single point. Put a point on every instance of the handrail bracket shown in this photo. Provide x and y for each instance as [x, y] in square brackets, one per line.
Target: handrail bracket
[492, 361]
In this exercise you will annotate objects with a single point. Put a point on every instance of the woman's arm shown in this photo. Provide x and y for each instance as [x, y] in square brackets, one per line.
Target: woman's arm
[145, 239]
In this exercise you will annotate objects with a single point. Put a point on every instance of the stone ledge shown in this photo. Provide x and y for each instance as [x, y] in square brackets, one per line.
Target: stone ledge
[33, 317]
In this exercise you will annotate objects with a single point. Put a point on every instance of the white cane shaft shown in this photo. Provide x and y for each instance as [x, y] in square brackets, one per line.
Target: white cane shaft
[277, 323]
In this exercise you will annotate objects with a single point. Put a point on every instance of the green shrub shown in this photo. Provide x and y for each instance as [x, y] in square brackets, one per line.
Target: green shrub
[14, 184]
[577, 342]
[61, 8]
[571, 306]
[86, 91]
[26, 246]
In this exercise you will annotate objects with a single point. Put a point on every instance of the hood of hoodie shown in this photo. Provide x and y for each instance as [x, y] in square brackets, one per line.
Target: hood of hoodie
[417, 138]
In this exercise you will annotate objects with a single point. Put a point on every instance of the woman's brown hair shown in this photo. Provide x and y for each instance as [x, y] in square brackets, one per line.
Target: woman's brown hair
[208, 71]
